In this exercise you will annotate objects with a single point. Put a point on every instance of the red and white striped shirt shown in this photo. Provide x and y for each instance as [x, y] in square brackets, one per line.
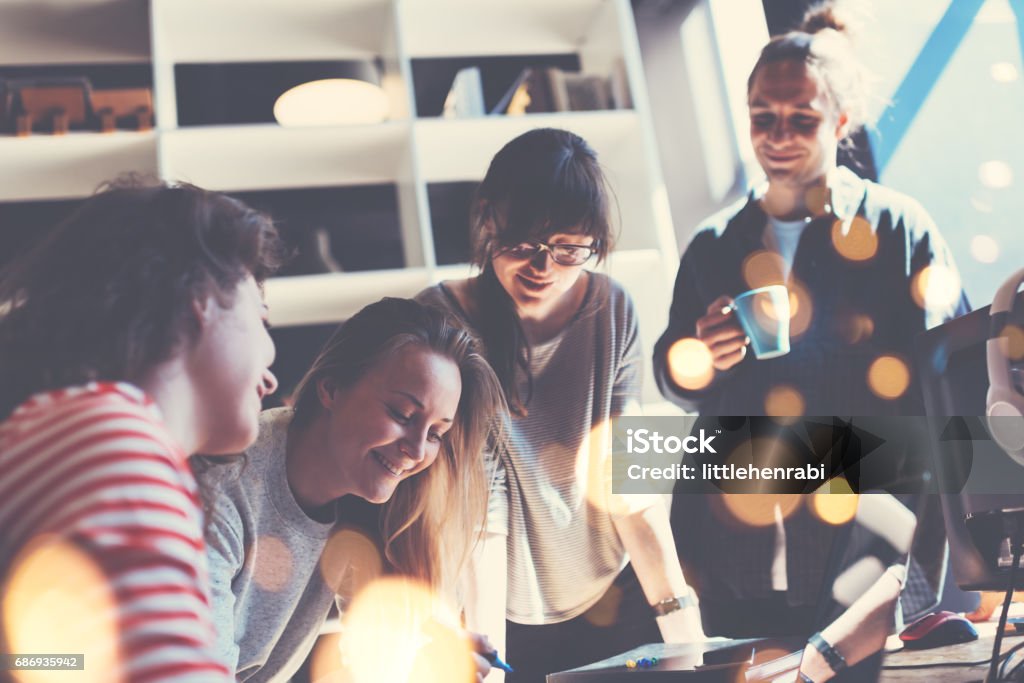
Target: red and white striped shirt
[92, 484]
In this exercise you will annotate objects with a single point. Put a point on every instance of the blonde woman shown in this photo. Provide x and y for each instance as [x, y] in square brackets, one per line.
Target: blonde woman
[395, 412]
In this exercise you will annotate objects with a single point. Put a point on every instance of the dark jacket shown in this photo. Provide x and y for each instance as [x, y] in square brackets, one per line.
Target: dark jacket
[853, 311]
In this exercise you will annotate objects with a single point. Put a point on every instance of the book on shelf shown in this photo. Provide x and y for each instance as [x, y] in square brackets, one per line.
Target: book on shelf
[548, 89]
[529, 93]
[581, 92]
[618, 86]
[466, 97]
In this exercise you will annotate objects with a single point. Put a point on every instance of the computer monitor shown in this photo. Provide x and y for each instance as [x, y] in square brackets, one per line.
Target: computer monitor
[954, 378]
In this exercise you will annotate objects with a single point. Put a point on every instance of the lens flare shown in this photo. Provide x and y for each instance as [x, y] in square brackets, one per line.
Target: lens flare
[984, 249]
[936, 287]
[605, 612]
[854, 240]
[690, 364]
[325, 661]
[982, 203]
[57, 600]
[801, 309]
[763, 268]
[350, 561]
[758, 509]
[396, 629]
[995, 174]
[835, 502]
[816, 199]
[274, 574]
[1011, 342]
[856, 328]
[784, 401]
[888, 377]
[1003, 72]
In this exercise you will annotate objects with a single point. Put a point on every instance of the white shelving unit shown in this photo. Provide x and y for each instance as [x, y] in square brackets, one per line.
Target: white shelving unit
[406, 152]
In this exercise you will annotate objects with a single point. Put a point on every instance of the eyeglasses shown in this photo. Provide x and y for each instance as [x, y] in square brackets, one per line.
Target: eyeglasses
[562, 254]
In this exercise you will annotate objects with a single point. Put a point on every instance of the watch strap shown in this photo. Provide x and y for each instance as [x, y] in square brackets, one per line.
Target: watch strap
[673, 604]
[832, 656]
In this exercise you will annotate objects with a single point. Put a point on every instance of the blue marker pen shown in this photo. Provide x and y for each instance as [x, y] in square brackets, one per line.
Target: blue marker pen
[497, 662]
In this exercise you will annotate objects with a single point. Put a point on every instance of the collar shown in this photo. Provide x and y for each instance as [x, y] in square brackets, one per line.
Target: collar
[847, 189]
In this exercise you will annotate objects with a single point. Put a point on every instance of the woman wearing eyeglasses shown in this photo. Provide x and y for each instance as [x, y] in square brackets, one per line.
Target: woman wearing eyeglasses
[563, 341]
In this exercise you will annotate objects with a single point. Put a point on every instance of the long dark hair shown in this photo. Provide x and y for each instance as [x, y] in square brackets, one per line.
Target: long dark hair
[108, 294]
[822, 42]
[431, 522]
[543, 182]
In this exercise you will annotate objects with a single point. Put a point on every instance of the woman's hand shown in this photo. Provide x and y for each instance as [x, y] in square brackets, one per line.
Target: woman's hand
[722, 334]
[482, 650]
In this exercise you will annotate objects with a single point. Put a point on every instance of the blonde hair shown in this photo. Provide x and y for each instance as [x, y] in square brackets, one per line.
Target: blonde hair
[433, 520]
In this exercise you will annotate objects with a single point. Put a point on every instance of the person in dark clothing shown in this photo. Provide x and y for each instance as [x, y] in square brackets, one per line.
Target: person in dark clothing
[866, 271]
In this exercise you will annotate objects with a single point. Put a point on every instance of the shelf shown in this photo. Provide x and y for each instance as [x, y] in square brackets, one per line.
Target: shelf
[314, 299]
[72, 165]
[269, 156]
[444, 28]
[262, 30]
[73, 32]
[460, 149]
[303, 174]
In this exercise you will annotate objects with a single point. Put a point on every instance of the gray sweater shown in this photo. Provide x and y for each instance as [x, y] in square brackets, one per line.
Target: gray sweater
[564, 551]
[269, 596]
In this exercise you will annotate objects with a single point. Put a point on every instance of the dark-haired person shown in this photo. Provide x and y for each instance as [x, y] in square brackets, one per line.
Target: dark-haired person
[395, 411]
[866, 270]
[564, 343]
[133, 336]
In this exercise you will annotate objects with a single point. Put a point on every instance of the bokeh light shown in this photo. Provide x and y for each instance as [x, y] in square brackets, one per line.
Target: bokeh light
[982, 203]
[350, 561]
[936, 287]
[593, 470]
[835, 502]
[763, 268]
[801, 309]
[816, 199]
[856, 328]
[325, 664]
[1003, 72]
[984, 249]
[274, 574]
[1011, 342]
[57, 600]
[995, 174]
[396, 629]
[784, 401]
[854, 240]
[605, 612]
[690, 364]
[888, 377]
[758, 509]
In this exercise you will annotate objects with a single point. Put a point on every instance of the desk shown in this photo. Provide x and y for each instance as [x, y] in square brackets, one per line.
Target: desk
[974, 651]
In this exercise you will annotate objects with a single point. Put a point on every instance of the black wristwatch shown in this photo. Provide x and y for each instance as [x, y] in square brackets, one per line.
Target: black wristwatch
[670, 605]
[832, 656]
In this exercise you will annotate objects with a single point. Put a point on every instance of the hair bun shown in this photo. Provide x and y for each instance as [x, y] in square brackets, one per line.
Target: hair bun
[821, 17]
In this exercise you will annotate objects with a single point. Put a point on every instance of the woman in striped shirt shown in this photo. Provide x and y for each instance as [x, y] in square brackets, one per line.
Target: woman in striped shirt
[133, 336]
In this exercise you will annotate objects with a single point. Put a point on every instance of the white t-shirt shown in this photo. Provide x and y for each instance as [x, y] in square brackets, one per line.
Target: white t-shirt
[783, 237]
